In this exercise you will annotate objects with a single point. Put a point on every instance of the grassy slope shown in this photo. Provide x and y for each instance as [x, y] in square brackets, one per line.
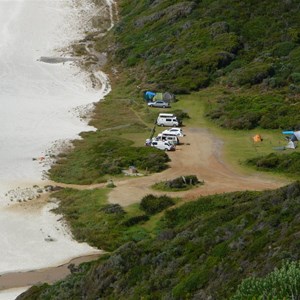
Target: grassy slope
[103, 154]
[95, 221]
[203, 248]
[184, 44]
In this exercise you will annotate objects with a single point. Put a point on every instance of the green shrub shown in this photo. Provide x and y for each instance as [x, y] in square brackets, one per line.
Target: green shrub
[295, 77]
[152, 204]
[288, 164]
[267, 110]
[283, 283]
[180, 114]
[113, 209]
[270, 161]
[283, 49]
[253, 73]
[135, 220]
[182, 181]
[236, 64]
[178, 184]
[294, 58]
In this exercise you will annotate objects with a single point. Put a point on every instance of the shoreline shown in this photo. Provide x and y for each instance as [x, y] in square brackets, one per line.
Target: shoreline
[53, 273]
[45, 275]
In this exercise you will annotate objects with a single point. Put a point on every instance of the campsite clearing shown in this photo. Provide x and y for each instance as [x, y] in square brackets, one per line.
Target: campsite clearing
[200, 154]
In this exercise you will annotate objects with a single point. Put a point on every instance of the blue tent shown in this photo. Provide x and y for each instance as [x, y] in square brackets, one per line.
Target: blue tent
[149, 95]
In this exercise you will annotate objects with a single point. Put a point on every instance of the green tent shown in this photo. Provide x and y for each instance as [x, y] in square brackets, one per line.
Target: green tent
[158, 96]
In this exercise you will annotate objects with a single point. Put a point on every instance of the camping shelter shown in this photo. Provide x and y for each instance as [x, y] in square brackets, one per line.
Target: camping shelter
[158, 96]
[295, 136]
[257, 138]
[169, 97]
[148, 95]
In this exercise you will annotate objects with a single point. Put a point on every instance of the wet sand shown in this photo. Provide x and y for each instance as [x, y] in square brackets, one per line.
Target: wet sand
[46, 275]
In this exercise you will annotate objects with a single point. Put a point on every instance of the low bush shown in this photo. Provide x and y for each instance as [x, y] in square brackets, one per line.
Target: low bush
[113, 209]
[152, 204]
[253, 73]
[180, 114]
[283, 49]
[135, 220]
[289, 164]
[283, 283]
[269, 111]
[182, 181]
[178, 184]
[295, 77]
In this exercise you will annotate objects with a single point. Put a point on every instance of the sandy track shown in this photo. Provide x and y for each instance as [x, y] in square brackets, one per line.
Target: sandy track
[201, 155]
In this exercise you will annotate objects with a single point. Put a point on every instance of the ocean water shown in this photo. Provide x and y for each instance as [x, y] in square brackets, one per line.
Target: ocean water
[38, 104]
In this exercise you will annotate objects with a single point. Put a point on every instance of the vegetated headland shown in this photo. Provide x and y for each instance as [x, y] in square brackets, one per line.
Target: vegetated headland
[235, 68]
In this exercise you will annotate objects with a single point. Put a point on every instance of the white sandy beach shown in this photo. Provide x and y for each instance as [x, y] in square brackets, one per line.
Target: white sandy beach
[37, 107]
[12, 293]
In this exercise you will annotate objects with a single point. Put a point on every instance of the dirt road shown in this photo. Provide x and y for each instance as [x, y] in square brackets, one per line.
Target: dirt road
[199, 154]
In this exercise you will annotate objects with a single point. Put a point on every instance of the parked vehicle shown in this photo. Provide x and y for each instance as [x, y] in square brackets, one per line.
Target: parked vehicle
[174, 130]
[166, 115]
[171, 138]
[167, 120]
[163, 145]
[159, 103]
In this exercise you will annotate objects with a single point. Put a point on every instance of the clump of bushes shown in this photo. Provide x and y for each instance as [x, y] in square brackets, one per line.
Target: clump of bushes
[181, 115]
[283, 283]
[91, 160]
[135, 220]
[179, 183]
[153, 204]
[113, 209]
[282, 163]
[283, 49]
[253, 73]
[269, 111]
[183, 181]
[295, 77]
[119, 156]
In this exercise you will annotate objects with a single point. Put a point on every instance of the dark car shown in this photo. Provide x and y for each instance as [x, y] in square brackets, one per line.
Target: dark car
[159, 103]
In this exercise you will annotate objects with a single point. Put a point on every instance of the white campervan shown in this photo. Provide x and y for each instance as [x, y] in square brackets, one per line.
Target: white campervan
[171, 138]
[162, 145]
[167, 120]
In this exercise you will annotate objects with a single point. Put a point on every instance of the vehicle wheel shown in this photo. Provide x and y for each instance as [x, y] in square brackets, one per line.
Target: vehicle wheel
[162, 125]
[166, 149]
[164, 106]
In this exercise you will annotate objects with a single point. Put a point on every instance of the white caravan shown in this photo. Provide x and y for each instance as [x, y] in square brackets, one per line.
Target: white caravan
[162, 145]
[167, 120]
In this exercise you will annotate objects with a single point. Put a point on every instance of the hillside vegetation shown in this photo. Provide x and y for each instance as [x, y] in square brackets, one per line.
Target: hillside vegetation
[186, 45]
[249, 49]
[202, 250]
